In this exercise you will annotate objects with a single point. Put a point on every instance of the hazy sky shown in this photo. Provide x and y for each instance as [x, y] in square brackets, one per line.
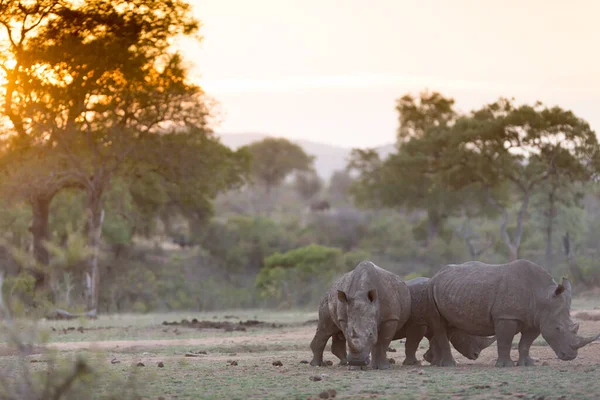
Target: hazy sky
[330, 70]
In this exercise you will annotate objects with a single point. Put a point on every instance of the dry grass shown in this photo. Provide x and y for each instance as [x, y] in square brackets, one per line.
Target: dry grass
[214, 375]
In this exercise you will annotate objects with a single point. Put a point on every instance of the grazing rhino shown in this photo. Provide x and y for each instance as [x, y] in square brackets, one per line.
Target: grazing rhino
[364, 308]
[504, 299]
[416, 328]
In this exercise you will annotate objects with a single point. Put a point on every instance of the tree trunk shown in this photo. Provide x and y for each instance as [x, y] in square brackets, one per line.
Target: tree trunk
[512, 245]
[40, 206]
[576, 272]
[434, 225]
[551, 213]
[92, 276]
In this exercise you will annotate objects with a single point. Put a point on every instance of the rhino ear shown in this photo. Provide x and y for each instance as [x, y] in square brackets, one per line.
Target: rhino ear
[372, 295]
[559, 290]
[342, 296]
[567, 284]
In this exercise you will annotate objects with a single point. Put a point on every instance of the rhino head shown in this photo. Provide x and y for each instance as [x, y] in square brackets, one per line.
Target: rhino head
[468, 345]
[358, 317]
[556, 325]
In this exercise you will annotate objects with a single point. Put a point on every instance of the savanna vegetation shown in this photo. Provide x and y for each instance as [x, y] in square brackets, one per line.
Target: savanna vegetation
[116, 196]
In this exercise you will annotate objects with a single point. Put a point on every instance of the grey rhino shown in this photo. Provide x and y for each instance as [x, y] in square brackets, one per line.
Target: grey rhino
[364, 308]
[416, 328]
[503, 299]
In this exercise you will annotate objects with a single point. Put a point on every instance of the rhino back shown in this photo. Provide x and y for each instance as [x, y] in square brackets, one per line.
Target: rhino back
[471, 296]
[418, 299]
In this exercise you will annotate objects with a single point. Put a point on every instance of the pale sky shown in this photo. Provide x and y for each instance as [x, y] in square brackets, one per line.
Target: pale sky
[330, 70]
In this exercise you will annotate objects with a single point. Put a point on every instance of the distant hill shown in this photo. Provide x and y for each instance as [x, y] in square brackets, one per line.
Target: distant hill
[328, 158]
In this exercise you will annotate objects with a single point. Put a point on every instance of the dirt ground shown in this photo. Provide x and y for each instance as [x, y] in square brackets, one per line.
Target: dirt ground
[272, 362]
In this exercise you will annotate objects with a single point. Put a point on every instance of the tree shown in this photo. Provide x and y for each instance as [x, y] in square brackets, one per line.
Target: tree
[86, 82]
[339, 187]
[308, 184]
[523, 147]
[407, 178]
[274, 159]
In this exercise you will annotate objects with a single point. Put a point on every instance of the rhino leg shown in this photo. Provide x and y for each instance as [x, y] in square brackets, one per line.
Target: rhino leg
[338, 347]
[505, 332]
[325, 329]
[525, 343]
[439, 343]
[414, 335]
[379, 352]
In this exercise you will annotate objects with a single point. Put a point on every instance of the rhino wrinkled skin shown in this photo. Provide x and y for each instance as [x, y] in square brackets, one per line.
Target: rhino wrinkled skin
[363, 307]
[416, 328]
[503, 299]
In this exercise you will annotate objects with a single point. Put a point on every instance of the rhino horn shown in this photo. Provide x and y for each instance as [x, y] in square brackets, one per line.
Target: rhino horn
[575, 328]
[580, 341]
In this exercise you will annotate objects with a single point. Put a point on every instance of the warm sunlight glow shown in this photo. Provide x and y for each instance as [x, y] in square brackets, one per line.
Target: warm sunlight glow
[315, 70]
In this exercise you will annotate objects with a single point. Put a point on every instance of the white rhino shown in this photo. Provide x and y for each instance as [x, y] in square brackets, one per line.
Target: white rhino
[502, 300]
[363, 309]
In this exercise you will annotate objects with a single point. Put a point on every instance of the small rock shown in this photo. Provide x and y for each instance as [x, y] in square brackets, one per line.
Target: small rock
[324, 395]
[233, 363]
[541, 398]
[324, 375]
[303, 362]
[192, 355]
[329, 362]
[33, 361]
[391, 361]
[277, 363]
[161, 365]
[114, 361]
[545, 364]
[393, 350]
[80, 329]
[503, 384]
[232, 354]
[161, 398]
[332, 393]
[53, 329]
[141, 364]
[315, 378]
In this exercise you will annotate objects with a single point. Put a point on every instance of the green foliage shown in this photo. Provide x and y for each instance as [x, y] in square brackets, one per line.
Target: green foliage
[273, 159]
[15, 220]
[293, 278]
[242, 243]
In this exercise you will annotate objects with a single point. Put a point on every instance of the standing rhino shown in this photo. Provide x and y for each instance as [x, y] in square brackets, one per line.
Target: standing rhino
[416, 328]
[364, 308]
[505, 299]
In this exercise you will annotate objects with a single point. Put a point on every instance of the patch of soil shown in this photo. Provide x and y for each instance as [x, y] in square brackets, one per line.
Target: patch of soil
[587, 316]
[267, 339]
[225, 325]
[9, 351]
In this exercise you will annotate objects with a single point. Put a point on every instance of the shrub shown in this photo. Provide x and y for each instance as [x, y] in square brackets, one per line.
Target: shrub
[299, 277]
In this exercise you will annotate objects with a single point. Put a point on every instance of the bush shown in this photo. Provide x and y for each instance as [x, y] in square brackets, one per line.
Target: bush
[59, 379]
[299, 277]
